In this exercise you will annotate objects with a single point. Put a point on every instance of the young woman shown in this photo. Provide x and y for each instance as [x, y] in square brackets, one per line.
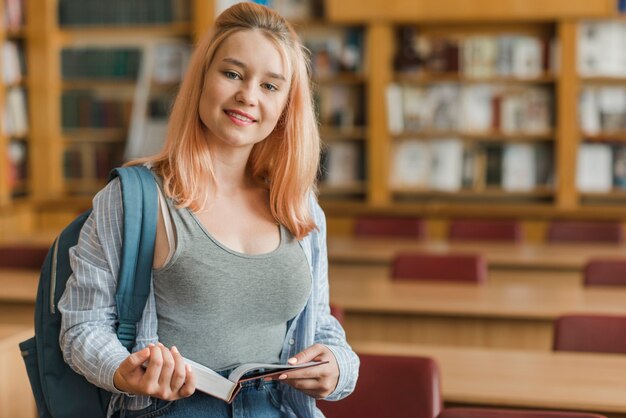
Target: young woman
[240, 265]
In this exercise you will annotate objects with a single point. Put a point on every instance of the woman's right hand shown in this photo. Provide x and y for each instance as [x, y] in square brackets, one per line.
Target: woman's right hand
[155, 371]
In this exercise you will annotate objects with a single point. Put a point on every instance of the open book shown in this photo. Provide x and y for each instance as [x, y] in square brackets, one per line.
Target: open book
[214, 384]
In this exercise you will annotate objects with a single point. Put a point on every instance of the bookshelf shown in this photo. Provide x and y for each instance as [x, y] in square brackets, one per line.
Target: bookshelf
[555, 21]
[365, 132]
[14, 102]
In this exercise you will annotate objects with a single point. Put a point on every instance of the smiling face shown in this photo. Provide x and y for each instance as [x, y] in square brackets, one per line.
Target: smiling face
[245, 91]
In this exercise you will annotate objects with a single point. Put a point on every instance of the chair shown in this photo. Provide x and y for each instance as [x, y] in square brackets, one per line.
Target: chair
[590, 333]
[378, 226]
[391, 386]
[585, 232]
[485, 230]
[337, 312]
[446, 267]
[605, 272]
[22, 257]
[511, 413]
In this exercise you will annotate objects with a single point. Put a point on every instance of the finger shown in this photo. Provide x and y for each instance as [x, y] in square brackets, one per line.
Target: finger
[135, 360]
[308, 373]
[308, 354]
[153, 371]
[167, 369]
[190, 383]
[180, 371]
[303, 384]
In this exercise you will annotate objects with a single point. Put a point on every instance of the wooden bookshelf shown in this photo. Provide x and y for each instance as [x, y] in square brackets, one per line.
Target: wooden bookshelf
[554, 18]
[378, 21]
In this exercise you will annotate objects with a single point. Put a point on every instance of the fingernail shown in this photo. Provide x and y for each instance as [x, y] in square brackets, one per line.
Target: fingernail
[282, 377]
[292, 360]
[174, 349]
[151, 345]
[268, 379]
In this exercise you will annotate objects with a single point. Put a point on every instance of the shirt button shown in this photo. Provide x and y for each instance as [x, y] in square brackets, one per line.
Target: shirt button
[292, 341]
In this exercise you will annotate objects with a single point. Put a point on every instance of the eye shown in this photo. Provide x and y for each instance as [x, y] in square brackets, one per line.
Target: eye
[232, 75]
[269, 86]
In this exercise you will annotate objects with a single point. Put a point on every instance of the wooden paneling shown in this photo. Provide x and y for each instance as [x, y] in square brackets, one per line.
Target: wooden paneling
[16, 397]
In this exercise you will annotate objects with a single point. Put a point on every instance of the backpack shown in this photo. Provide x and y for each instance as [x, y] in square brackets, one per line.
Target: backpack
[59, 391]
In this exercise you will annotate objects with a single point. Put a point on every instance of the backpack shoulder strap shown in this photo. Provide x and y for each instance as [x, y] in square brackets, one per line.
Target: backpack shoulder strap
[140, 202]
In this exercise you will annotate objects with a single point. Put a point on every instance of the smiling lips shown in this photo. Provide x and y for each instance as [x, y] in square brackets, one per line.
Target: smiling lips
[239, 118]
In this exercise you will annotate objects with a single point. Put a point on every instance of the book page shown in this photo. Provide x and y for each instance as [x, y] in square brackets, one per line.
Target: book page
[258, 370]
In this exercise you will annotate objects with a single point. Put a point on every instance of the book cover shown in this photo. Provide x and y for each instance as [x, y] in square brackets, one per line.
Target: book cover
[446, 165]
[410, 165]
[594, 171]
[518, 167]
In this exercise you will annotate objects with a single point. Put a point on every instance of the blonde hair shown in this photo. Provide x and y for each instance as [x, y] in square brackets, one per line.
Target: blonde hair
[286, 162]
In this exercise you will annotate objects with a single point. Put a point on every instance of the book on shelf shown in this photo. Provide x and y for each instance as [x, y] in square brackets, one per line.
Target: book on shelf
[446, 164]
[544, 164]
[612, 108]
[342, 163]
[518, 167]
[493, 165]
[13, 62]
[619, 166]
[395, 113]
[410, 164]
[17, 153]
[14, 14]
[594, 171]
[477, 108]
[602, 48]
[340, 106]
[100, 62]
[227, 388]
[15, 113]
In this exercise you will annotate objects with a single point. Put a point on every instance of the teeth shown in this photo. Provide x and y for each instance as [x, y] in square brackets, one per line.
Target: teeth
[240, 117]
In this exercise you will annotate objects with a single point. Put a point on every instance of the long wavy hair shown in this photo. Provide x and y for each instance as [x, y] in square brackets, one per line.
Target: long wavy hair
[286, 162]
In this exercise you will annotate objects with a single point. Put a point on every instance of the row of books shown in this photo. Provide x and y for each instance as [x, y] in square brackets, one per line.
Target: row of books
[122, 12]
[15, 113]
[449, 164]
[334, 50]
[13, 14]
[602, 48]
[602, 110]
[100, 62]
[88, 161]
[471, 108]
[477, 56]
[84, 109]
[13, 62]
[601, 167]
[340, 106]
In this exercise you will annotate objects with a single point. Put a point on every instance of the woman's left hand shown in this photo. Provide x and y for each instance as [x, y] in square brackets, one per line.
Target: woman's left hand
[318, 381]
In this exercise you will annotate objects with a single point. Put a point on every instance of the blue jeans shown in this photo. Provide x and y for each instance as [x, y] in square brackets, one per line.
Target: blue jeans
[257, 399]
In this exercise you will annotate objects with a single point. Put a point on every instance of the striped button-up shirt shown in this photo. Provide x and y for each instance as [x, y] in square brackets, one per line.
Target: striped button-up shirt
[88, 332]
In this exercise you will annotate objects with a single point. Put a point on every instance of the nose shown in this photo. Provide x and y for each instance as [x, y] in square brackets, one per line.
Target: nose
[247, 94]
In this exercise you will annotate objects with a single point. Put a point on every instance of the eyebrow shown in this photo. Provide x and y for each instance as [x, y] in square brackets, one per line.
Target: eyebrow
[243, 66]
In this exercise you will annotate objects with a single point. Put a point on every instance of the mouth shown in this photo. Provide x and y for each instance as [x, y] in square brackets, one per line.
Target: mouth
[240, 116]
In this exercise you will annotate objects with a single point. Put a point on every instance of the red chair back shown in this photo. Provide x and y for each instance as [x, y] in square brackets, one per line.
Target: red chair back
[446, 267]
[590, 333]
[22, 257]
[484, 230]
[585, 232]
[605, 272]
[377, 226]
[391, 386]
[337, 312]
[511, 413]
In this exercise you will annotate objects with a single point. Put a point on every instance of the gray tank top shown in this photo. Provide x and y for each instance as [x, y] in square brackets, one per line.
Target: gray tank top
[220, 307]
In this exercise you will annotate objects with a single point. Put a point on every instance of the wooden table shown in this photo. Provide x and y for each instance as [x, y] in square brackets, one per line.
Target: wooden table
[505, 316]
[515, 378]
[16, 397]
[570, 257]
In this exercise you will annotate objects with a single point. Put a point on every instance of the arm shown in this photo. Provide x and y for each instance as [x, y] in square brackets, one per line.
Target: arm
[330, 338]
[89, 315]
[88, 327]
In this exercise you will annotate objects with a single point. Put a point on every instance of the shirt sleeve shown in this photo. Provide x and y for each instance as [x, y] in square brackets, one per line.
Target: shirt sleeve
[88, 327]
[328, 331]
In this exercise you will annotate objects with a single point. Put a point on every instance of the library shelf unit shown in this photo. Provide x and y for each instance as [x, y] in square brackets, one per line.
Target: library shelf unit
[555, 19]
